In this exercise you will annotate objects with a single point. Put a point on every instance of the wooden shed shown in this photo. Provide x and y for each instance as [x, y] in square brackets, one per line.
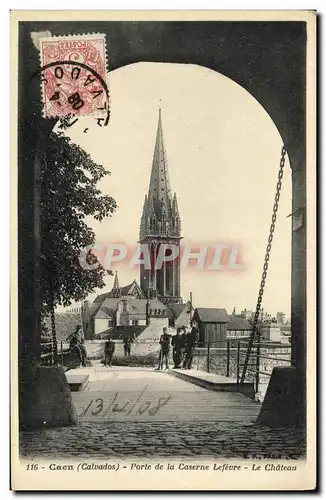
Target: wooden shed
[212, 325]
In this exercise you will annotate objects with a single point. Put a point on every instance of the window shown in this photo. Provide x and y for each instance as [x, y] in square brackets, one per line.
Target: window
[134, 322]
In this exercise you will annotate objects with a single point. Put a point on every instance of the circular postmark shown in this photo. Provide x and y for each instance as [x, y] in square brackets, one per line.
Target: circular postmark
[71, 89]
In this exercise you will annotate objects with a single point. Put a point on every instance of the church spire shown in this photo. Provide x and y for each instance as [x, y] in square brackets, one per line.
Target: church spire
[159, 192]
[116, 292]
[160, 225]
[160, 211]
[116, 282]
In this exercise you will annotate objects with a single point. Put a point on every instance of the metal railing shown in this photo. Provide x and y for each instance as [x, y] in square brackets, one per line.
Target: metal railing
[229, 357]
[224, 352]
[261, 354]
[224, 357]
[47, 353]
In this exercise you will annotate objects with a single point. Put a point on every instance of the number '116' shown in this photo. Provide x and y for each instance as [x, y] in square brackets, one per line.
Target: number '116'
[32, 466]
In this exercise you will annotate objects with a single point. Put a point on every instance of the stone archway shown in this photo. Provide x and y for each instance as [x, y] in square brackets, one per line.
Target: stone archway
[256, 55]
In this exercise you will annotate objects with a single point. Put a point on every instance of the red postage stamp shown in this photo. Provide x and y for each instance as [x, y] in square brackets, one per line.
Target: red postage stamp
[73, 76]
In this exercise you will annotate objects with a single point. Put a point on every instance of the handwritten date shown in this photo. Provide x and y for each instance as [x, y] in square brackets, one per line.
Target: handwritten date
[139, 406]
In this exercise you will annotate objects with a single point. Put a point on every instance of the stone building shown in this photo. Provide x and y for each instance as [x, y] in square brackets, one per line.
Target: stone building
[160, 230]
[158, 295]
[127, 306]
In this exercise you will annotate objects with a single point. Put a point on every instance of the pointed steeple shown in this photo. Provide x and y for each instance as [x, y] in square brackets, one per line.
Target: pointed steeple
[116, 285]
[160, 212]
[159, 192]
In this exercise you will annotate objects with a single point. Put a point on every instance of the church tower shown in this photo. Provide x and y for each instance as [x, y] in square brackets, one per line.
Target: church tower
[160, 225]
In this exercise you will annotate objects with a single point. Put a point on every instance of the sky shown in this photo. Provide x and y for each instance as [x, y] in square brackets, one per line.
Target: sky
[223, 154]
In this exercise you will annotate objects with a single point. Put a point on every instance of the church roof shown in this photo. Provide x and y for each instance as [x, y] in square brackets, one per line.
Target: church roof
[174, 310]
[103, 313]
[110, 303]
[137, 307]
[93, 308]
[131, 289]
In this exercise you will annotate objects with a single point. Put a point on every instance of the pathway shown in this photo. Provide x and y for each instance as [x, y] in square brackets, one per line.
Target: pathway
[122, 393]
[139, 412]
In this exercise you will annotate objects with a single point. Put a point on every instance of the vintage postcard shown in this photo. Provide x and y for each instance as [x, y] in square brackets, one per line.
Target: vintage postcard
[163, 332]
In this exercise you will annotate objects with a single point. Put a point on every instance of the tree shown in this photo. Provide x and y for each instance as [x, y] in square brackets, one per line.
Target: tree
[69, 194]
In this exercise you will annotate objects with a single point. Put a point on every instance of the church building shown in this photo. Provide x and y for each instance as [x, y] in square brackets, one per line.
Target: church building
[158, 297]
[160, 225]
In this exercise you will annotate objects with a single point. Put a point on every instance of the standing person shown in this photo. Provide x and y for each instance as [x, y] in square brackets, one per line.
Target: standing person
[81, 343]
[82, 350]
[109, 349]
[128, 340]
[165, 349]
[191, 342]
[183, 343]
[126, 346]
[177, 346]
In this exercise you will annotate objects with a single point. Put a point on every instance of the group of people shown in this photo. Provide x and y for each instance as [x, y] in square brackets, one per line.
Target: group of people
[183, 345]
[109, 348]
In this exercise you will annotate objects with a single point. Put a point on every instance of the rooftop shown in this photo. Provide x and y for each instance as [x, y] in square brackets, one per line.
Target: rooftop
[212, 315]
[236, 323]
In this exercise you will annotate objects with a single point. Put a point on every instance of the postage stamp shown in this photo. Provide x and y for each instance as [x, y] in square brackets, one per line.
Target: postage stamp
[163, 327]
[73, 77]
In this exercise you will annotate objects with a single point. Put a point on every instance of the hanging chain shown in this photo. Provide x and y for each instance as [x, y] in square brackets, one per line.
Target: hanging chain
[54, 339]
[266, 262]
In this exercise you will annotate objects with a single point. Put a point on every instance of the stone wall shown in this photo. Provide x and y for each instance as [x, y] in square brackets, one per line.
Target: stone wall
[95, 348]
[147, 342]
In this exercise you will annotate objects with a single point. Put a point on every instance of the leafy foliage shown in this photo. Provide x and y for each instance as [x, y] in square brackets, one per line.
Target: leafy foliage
[69, 194]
